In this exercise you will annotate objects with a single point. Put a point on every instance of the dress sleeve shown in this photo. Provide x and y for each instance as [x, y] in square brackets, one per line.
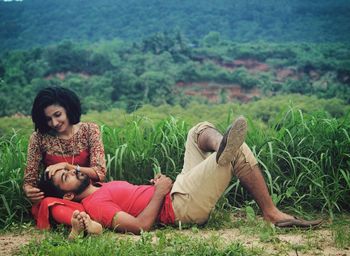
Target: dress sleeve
[34, 158]
[97, 153]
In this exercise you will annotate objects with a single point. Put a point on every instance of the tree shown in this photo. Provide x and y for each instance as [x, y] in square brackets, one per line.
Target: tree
[156, 87]
[211, 39]
[67, 57]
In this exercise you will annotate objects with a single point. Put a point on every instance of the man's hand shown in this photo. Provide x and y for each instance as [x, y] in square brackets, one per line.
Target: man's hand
[124, 222]
[52, 169]
[34, 194]
[163, 184]
[156, 177]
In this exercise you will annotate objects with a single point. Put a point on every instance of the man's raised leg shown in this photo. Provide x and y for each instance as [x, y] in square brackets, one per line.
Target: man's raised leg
[205, 176]
[255, 183]
[246, 169]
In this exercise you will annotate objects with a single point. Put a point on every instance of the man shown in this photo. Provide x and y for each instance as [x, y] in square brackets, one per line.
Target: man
[190, 199]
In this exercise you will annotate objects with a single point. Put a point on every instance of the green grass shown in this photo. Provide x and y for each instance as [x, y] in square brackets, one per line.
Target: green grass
[13, 206]
[304, 157]
[307, 161]
[134, 151]
[157, 243]
[341, 232]
[263, 111]
[243, 236]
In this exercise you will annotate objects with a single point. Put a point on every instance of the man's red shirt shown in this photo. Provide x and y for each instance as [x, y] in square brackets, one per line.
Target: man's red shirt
[116, 196]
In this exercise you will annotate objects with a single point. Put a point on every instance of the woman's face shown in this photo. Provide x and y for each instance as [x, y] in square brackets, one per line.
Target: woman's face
[56, 118]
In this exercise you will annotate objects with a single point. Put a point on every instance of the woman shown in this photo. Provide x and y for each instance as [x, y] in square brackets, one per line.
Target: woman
[60, 141]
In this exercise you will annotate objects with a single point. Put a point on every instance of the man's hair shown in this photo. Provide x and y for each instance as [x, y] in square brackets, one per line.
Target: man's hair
[55, 96]
[49, 188]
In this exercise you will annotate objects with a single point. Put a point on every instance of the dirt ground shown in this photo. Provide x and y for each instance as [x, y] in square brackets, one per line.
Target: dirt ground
[316, 242]
[10, 243]
[320, 242]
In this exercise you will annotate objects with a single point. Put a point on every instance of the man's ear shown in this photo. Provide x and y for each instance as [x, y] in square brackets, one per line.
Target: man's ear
[69, 196]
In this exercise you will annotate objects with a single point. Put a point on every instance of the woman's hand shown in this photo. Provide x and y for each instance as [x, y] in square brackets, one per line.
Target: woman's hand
[33, 194]
[52, 169]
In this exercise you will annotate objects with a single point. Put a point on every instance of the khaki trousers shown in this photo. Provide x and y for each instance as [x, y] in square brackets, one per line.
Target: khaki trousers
[202, 181]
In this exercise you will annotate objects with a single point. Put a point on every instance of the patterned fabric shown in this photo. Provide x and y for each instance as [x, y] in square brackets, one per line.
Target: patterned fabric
[84, 148]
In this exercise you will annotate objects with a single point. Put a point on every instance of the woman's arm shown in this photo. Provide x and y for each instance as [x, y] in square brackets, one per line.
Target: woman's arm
[31, 171]
[89, 171]
[97, 153]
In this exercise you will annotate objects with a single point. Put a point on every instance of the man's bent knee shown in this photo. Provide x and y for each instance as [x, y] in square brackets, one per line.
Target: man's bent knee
[199, 128]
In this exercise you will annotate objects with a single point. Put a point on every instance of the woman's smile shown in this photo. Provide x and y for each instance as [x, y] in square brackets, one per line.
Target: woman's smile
[57, 119]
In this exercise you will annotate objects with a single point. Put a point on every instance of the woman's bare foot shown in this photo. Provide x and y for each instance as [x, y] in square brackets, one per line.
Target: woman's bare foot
[91, 226]
[78, 225]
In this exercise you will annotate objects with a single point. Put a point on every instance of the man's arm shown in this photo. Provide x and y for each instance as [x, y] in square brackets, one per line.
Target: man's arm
[125, 222]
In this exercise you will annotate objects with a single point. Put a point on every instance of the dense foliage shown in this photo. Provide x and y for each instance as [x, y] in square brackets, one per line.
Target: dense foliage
[166, 68]
[30, 23]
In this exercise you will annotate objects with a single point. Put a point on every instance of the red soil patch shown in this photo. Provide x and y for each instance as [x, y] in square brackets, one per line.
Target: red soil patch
[252, 65]
[284, 73]
[216, 93]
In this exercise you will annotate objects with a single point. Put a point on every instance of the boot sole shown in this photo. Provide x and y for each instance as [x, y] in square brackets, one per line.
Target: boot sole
[232, 141]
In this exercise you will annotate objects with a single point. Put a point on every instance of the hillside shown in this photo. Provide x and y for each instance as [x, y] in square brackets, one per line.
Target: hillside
[169, 69]
[31, 23]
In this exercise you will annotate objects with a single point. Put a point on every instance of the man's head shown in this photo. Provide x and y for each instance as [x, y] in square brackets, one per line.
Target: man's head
[64, 184]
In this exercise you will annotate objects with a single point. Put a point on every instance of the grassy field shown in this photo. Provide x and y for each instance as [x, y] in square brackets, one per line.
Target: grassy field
[302, 147]
[238, 235]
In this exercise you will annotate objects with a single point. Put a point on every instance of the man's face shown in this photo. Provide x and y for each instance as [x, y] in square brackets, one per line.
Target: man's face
[71, 181]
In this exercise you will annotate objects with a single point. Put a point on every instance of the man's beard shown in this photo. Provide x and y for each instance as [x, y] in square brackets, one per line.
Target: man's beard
[85, 182]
